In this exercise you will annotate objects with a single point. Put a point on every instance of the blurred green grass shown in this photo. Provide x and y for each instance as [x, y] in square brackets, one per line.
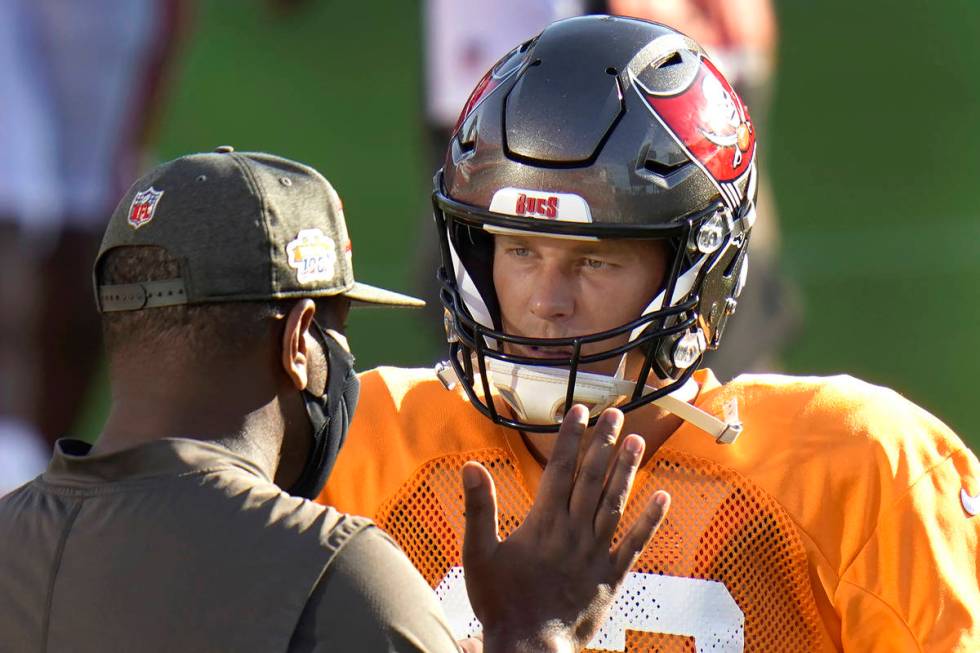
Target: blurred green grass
[873, 150]
[874, 156]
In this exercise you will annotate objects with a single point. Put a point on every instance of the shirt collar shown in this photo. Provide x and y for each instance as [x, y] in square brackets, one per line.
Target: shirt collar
[73, 464]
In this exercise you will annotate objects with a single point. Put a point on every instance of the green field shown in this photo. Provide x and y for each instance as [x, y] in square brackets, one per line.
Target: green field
[873, 149]
[875, 153]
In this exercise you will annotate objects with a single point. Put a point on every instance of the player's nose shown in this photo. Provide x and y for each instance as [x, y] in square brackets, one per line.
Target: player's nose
[552, 294]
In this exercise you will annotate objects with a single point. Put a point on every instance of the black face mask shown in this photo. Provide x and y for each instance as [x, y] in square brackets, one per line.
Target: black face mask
[330, 416]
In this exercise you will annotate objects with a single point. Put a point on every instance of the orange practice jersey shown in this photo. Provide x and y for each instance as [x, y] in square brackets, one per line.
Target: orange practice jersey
[839, 520]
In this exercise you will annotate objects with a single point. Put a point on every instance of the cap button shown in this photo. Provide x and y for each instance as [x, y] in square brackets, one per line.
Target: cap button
[224, 149]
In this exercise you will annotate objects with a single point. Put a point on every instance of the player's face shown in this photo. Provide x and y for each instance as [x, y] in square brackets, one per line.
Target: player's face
[558, 288]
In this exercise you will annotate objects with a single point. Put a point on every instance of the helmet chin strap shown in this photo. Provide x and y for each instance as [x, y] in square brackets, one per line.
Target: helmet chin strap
[536, 394]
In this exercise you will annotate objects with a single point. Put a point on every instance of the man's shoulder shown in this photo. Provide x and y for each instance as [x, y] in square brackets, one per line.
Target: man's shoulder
[396, 383]
[836, 453]
[838, 416]
[841, 400]
[391, 395]
[784, 386]
[372, 597]
[250, 509]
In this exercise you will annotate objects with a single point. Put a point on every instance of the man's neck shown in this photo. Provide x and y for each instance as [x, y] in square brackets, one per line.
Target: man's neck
[141, 415]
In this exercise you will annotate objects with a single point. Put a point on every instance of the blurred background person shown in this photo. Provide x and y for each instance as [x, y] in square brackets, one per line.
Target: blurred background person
[463, 40]
[80, 84]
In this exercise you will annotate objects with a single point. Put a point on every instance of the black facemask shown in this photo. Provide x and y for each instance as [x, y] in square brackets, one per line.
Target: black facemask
[330, 416]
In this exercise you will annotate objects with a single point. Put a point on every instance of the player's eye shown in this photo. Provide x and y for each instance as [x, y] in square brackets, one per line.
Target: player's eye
[594, 263]
[520, 252]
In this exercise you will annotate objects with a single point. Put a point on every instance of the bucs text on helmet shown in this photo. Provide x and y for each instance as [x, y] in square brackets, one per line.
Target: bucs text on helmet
[600, 127]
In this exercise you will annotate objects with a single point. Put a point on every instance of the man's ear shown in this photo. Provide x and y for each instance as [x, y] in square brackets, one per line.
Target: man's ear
[295, 343]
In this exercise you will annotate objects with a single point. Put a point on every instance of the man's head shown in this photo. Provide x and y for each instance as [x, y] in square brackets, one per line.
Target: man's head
[229, 276]
[551, 288]
[601, 137]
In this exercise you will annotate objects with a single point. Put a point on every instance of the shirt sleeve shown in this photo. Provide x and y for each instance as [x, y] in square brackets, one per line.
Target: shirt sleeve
[915, 585]
[370, 598]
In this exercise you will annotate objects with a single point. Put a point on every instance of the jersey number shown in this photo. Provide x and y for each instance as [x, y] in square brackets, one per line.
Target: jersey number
[670, 605]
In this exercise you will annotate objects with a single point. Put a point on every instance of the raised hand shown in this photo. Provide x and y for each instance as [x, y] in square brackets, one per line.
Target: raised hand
[549, 586]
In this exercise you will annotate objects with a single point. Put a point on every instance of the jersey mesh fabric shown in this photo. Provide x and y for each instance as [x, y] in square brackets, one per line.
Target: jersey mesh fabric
[727, 531]
[836, 522]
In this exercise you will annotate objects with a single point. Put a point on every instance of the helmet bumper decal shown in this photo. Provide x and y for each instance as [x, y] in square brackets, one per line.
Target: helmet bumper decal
[565, 207]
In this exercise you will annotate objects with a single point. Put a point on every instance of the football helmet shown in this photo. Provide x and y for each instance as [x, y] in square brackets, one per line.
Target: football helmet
[599, 127]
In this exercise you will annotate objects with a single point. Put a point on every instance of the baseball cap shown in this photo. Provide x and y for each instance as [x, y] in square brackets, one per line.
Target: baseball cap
[243, 226]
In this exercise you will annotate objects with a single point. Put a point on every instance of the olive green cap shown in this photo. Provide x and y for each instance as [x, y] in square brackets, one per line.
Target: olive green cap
[244, 226]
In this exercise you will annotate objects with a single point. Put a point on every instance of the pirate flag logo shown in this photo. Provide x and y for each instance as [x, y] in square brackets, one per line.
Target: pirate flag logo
[709, 120]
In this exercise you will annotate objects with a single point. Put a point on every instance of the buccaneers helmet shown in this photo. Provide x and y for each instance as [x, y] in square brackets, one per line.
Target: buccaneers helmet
[599, 127]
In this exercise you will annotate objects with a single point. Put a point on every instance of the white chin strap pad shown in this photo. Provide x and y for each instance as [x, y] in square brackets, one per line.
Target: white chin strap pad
[536, 394]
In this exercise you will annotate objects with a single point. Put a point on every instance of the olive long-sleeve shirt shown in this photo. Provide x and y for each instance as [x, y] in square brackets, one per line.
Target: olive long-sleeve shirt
[182, 545]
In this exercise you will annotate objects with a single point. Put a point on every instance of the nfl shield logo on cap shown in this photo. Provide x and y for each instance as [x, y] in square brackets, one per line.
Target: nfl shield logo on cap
[143, 207]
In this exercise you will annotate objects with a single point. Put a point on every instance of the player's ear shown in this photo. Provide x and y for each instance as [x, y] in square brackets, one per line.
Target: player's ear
[296, 340]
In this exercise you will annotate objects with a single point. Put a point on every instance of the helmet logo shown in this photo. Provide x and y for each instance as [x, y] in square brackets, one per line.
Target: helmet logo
[710, 121]
[724, 126]
[546, 207]
[542, 205]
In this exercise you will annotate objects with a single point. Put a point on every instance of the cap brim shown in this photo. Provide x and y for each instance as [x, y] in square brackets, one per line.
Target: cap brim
[365, 294]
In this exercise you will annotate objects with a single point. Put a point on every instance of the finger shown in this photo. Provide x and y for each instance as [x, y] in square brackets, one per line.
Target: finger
[613, 500]
[556, 481]
[480, 537]
[592, 473]
[640, 533]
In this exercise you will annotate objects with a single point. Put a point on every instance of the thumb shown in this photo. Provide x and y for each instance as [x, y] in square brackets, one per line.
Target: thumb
[480, 538]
